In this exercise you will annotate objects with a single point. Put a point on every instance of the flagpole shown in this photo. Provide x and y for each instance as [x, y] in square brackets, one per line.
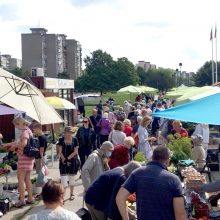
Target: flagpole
[216, 54]
[212, 60]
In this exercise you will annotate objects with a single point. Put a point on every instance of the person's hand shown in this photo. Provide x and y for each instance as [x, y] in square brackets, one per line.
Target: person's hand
[161, 137]
[153, 139]
[64, 160]
[1, 137]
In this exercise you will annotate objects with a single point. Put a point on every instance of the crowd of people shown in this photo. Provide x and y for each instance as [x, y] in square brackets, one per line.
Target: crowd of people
[105, 145]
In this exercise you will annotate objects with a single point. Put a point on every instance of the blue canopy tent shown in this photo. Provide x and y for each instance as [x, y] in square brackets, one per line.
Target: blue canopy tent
[205, 110]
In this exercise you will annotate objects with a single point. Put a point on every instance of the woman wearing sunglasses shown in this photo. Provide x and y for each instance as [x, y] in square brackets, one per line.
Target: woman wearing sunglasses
[86, 138]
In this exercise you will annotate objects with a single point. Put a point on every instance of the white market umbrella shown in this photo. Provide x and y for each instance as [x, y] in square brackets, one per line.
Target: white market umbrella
[147, 89]
[129, 89]
[59, 103]
[21, 95]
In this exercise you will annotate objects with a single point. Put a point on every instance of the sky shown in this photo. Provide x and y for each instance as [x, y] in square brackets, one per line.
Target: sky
[161, 32]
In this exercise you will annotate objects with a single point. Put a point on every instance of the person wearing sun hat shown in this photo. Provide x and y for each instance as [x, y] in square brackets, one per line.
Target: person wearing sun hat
[68, 149]
[96, 164]
[198, 153]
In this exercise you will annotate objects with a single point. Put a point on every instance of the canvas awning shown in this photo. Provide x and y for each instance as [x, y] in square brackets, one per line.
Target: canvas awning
[25, 97]
[205, 110]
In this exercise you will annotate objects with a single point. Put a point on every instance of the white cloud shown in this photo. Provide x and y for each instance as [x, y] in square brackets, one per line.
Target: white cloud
[162, 32]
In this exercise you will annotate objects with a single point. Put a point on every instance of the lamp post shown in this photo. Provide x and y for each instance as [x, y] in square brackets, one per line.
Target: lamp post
[180, 66]
[177, 76]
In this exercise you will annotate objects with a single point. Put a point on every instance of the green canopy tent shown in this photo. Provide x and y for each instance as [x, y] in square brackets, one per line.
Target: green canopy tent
[197, 93]
[146, 89]
[130, 89]
[178, 92]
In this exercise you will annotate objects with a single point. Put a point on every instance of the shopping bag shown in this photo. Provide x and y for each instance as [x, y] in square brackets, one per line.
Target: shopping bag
[41, 179]
[45, 170]
[84, 214]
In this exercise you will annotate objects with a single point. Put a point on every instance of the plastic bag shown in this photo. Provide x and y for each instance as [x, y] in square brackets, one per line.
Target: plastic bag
[45, 170]
[41, 178]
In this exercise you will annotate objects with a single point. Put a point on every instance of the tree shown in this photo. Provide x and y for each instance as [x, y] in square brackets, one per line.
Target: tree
[204, 75]
[102, 73]
[142, 75]
[124, 73]
[17, 72]
[162, 79]
[63, 75]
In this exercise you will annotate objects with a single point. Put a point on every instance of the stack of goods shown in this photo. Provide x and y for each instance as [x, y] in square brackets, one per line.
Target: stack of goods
[4, 169]
[199, 208]
[11, 160]
[192, 178]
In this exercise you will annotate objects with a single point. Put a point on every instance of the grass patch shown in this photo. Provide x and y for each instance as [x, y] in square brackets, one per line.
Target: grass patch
[118, 97]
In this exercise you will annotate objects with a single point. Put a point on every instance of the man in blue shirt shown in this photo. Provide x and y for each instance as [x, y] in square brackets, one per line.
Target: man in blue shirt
[100, 196]
[159, 192]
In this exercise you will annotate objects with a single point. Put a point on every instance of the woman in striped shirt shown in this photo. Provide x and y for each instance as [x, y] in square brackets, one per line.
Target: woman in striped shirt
[25, 164]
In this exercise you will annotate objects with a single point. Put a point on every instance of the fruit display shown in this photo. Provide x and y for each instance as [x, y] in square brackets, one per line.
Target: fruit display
[192, 178]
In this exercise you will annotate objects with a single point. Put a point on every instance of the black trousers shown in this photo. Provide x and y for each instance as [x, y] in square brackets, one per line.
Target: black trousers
[83, 154]
[103, 138]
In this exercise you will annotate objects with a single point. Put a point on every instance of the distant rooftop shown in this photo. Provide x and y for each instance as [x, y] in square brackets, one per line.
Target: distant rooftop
[38, 30]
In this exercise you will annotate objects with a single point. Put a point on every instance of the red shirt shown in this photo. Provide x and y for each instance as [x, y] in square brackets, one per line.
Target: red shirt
[119, 157]
[128, 130]
[183, 132]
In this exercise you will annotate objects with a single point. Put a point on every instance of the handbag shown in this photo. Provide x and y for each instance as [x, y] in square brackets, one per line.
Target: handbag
[4, 205]
[32, 147]
[83, 213]
[76, 164]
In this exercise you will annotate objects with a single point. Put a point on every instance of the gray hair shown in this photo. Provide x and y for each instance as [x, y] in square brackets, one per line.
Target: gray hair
[130, 167]
[139, 119]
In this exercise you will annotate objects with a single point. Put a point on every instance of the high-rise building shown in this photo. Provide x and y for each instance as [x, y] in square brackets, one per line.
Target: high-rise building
[9, 63]
[54, 53]
[146, 65]
[74, 57]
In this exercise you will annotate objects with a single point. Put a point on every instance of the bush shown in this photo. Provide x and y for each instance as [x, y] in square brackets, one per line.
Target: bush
[180, 146]
[140, 157]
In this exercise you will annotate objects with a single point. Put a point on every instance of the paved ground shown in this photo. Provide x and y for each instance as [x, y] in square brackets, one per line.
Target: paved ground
[25, 212]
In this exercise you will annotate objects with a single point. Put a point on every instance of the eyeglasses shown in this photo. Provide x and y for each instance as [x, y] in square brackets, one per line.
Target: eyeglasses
[85, 122]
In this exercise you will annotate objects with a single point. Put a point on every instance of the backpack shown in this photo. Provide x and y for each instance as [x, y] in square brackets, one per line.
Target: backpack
[32, 147]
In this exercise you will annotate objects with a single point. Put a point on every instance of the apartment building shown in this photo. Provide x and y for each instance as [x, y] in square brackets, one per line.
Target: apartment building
[146, 65]
[9, 63]
[54, 53]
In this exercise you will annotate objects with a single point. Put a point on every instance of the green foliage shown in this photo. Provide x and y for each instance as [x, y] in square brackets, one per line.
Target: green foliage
[140, 157]
[34, 180]
[104, 74]
[17, 72]
[181, 147]
[204, 75]
[63, 75]
[2, 150]
[162, 79]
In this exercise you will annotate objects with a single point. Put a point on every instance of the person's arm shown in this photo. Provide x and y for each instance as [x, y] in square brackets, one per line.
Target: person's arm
[121, 203]
[75, 150]
[179, 208]
[86, 169]
[211, 187]
[61, 154]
